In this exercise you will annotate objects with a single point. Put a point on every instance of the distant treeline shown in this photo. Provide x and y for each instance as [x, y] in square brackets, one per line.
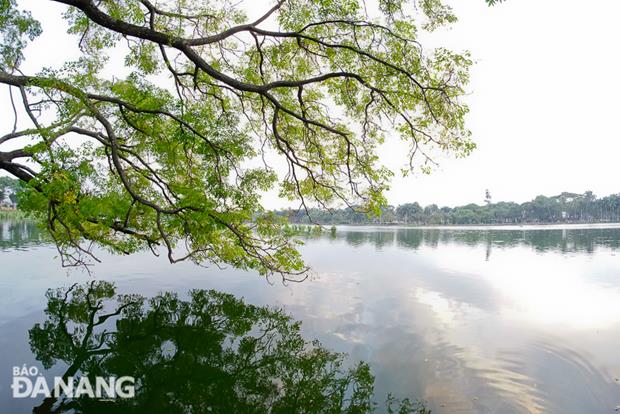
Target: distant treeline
[563, 208]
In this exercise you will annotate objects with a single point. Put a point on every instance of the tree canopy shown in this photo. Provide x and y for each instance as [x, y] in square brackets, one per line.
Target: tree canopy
[174, 151]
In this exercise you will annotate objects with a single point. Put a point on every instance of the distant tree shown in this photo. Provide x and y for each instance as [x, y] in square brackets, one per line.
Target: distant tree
[431, 209]
[388, 214]
[588, 203]
[409, 212]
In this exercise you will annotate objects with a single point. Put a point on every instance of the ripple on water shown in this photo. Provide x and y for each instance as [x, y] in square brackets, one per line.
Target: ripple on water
[549, 378]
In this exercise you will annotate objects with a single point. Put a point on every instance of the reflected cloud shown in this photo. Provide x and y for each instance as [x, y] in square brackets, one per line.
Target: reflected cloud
[469, 332]
[470, 374]
[542, 289]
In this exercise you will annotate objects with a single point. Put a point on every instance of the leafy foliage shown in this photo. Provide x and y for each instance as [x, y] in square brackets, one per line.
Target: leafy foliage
[176, 154]
[17, 28]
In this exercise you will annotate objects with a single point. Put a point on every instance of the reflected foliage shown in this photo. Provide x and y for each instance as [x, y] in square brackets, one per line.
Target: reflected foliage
[210, 352]
[562, 240]
[19, 233]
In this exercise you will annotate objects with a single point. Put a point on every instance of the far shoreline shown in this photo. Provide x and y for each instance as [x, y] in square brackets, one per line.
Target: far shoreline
[524, 226]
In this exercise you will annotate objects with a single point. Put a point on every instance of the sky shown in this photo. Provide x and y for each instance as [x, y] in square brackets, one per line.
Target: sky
[542, 97]
[543, 103]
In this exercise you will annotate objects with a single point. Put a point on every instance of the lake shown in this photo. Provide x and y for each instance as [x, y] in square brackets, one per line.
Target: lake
[469, 320]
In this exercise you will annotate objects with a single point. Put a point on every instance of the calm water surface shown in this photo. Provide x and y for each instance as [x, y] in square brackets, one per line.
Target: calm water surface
[472, 321]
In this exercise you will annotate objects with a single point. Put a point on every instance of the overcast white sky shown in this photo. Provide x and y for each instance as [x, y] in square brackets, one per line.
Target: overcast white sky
[544, 109]
[543, 100]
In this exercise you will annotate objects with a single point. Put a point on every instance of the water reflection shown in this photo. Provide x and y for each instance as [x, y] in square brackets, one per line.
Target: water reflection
[473, 321]
[210, 352]
[19, 233]
[487, 321]
[561, 240]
